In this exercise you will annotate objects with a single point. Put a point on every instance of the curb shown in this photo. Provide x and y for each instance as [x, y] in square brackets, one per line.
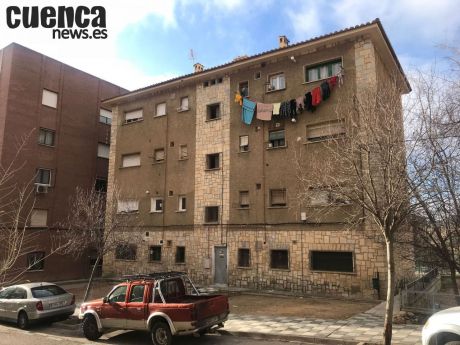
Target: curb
[296, 338]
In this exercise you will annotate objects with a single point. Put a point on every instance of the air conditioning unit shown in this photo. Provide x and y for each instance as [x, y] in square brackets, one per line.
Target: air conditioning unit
[41, 188]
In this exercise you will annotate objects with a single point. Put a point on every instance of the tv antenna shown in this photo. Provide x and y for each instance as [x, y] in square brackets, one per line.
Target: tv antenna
[192, 56]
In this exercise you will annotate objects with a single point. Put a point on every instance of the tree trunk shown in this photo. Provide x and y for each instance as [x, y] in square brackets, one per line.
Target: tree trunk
[388, 325]
[90, 281]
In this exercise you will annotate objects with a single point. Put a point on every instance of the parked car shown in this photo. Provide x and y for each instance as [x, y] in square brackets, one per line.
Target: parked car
[164, 304]
[442, 328]
[26, 303]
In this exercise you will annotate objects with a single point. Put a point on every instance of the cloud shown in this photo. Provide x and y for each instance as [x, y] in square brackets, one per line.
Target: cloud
[305, 21]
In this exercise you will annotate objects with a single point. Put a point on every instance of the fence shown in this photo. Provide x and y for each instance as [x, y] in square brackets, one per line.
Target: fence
[427, 302]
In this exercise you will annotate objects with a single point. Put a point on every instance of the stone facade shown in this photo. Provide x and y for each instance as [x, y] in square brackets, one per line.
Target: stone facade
[261, 229]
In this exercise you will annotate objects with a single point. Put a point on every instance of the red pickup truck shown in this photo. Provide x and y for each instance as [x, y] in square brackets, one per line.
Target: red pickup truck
[165, 304]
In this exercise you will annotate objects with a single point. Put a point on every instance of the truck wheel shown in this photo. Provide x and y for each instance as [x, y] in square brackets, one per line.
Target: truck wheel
[90, 329]
[161, 334]
[23, 320]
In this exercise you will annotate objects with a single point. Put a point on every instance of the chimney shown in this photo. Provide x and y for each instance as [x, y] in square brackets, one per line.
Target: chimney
[283, 41]
[198, 67]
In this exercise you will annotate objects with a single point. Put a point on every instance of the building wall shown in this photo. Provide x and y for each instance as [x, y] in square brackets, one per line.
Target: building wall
[73, 158]
[259, 227]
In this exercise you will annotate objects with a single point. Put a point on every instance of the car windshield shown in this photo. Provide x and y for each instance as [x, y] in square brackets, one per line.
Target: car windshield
[47, 291]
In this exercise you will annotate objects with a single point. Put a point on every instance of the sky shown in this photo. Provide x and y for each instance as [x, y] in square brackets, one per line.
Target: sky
[150, 40]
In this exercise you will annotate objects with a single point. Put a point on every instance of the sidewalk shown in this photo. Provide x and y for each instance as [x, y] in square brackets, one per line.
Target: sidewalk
[365, 327]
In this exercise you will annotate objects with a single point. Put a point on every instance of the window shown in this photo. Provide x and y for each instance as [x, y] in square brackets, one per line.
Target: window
[325, 131]
[156, 205]
[279, 258]
[100, 185]
[213, 112]
[127, 206]
[103, 150]
[44, 291]
[36, 261]
[326, 196]
[277, 197]
[133, 116]
[257, 75]
[244, 257]
[322, 71]
[243, 87]
[182, 203]
[125, 251]
[105, 116]
[211, 214]
[43, 177]
[49, 98]
[212, 161]
[159, 155]
[131, 160]
[155, 253]
[38, 218]
[276, 82]
[46, 137]
[118, 295]
[183, 152]
[19, 293]
[160, 109]
[137, 294]
[331, 261]
[244, 199]
[180, 255]
[183, 104]
[276, 139]
[244, 143]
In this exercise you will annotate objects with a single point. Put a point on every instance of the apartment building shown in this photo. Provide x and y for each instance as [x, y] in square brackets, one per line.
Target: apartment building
[216, 196]
[59, 109]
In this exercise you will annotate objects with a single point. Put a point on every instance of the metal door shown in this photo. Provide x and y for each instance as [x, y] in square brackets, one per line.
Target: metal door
[220, 265]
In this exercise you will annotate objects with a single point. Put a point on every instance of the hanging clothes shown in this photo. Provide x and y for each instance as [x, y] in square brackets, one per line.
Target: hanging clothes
[299, 102]
[238, 98]
[325, 90]
[276, 109]
[316, 96]
[307, 101]
[332, 82]
[285, 109]
[264, 111]
[248, 111]
[293, 109]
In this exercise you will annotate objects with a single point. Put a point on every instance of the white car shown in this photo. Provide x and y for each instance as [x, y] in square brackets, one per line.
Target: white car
[30, 302]
[442, 328]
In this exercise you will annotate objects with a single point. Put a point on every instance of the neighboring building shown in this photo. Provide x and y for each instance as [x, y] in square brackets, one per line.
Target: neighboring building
[60, 108]
[216, 196]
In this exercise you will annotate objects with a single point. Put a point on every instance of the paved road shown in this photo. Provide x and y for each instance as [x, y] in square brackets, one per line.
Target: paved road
[46, 335]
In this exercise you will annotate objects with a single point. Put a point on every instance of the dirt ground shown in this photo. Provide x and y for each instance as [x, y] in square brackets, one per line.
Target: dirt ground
[309, 307]
[267, 305]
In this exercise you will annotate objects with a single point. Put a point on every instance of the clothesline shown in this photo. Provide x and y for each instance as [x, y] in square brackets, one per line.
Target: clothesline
[287, 109]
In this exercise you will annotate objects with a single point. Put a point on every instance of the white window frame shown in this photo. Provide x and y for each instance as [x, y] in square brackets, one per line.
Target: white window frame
[50, 98]
[158, 151]
[276, 82]
[105, 116]
[103, 150]
[323, 70]
[134, 116]
[153, 205]
[135, 160]
[184, 104]
[244, 143]
[181, 148]
[331, 130]
[180, 208]
[41, 182]
[158, 109]
[127, 206]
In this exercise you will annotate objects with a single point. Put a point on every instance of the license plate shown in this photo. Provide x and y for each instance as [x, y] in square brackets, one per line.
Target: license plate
[57, 304]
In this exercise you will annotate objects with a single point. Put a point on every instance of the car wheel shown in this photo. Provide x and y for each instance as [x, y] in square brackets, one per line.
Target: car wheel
[90, 329]
[23, 320]
[161, 334]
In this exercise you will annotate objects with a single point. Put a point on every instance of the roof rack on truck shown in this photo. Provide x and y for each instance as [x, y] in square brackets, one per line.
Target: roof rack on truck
[154, 276]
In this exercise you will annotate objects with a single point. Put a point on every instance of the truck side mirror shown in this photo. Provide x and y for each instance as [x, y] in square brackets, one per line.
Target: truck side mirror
[105, 299]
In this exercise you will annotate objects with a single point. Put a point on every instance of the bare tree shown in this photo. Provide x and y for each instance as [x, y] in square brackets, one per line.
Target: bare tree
[435, 166]
[97, 223]
[365, 166]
